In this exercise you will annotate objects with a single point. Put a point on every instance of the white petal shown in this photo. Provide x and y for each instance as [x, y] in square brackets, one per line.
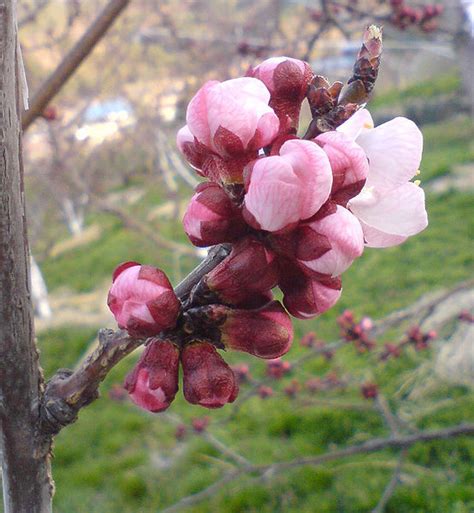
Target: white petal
[398, 212]
[357, 123]
[394, 151]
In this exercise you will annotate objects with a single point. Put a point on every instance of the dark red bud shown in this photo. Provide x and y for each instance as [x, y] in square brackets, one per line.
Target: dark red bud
[207, 379]
[153, 383]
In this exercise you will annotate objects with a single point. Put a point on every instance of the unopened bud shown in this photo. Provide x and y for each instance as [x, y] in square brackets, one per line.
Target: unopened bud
[211, 217]
[249, 269]
[153, 383]
[142, 300]
[207, 379]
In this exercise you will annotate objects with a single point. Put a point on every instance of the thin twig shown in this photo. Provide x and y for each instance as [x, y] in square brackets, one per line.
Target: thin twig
[374, 445]
[50, 88]
[392, 485]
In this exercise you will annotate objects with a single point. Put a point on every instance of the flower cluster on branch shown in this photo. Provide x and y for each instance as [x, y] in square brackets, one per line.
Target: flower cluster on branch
[297, 212]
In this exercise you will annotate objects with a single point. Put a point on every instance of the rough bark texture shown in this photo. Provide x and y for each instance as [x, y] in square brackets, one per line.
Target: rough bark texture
[27, 487]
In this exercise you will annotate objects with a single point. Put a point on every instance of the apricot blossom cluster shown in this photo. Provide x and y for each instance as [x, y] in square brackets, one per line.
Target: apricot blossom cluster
[297, 213]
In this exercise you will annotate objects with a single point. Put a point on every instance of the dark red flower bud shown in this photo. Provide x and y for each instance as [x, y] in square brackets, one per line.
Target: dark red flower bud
[292, 389]
[200, 424]
[211, 217]
[277, 368]
[305, 297]
[309, 339]
[249, 269]
[314, 385]
[153, 383]
[369, 390]
[180, 432]
[241, 372]
[142, 299]
[207, 379]
[264, 391]
[266, 332]
[50, 113]
[390, 351]
[287, 80]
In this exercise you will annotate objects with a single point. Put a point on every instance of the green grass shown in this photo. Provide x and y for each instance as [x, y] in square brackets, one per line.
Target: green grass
[442, 85]
[109, 460]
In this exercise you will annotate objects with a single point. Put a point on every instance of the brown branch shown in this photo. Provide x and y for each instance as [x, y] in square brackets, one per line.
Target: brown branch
[69, 391]
[374, 445]
[391, 486]
[50, 88]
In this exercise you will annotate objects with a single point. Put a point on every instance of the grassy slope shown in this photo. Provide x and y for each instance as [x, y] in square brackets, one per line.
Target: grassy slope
[107, 461]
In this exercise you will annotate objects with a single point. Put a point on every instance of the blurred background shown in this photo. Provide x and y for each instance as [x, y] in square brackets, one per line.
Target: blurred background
[105, 184]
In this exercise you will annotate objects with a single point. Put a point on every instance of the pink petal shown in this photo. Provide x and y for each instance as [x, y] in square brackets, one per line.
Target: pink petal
[394, 151]
[183, 136]
[266, 69]
[344, 233]
[356, 124]
[311, 165]
[348, 160]
[376, 239]
[197, 113]
[237, 105]
[399, 212]
[145, 397]
[272, 194]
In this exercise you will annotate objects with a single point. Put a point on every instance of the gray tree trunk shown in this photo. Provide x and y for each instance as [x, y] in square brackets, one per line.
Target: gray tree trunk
[27, 485]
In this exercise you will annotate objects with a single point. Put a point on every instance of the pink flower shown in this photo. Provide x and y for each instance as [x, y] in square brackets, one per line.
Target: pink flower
[250, 269]
[283, 190]
[348, 163]
[207, 379]
[211, 217]
[389, 207]
[345, 242]
[142, 299]
[153, 383]
[305, 297]
[287, 80]
[232, 117]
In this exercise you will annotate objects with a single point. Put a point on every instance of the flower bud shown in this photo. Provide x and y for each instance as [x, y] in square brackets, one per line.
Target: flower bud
[305, 297]
[207, 379]
[200, 424]
[249, 269]
[369, 390]
[142, 300]
[266, 332]
[287, 80]
[211, 217]
[265, 391]
[277, 368]
[349, 165]
[153, 383]
[330, 242]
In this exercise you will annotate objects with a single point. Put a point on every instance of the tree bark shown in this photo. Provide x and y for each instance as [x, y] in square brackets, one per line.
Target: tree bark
[27, 485]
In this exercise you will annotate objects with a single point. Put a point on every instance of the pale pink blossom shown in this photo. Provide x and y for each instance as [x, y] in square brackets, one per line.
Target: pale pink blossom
[231, 117]
[142, 299]
[211, 218]
[287, 188]
[349, 165]
[345, 239]
[390, 207]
